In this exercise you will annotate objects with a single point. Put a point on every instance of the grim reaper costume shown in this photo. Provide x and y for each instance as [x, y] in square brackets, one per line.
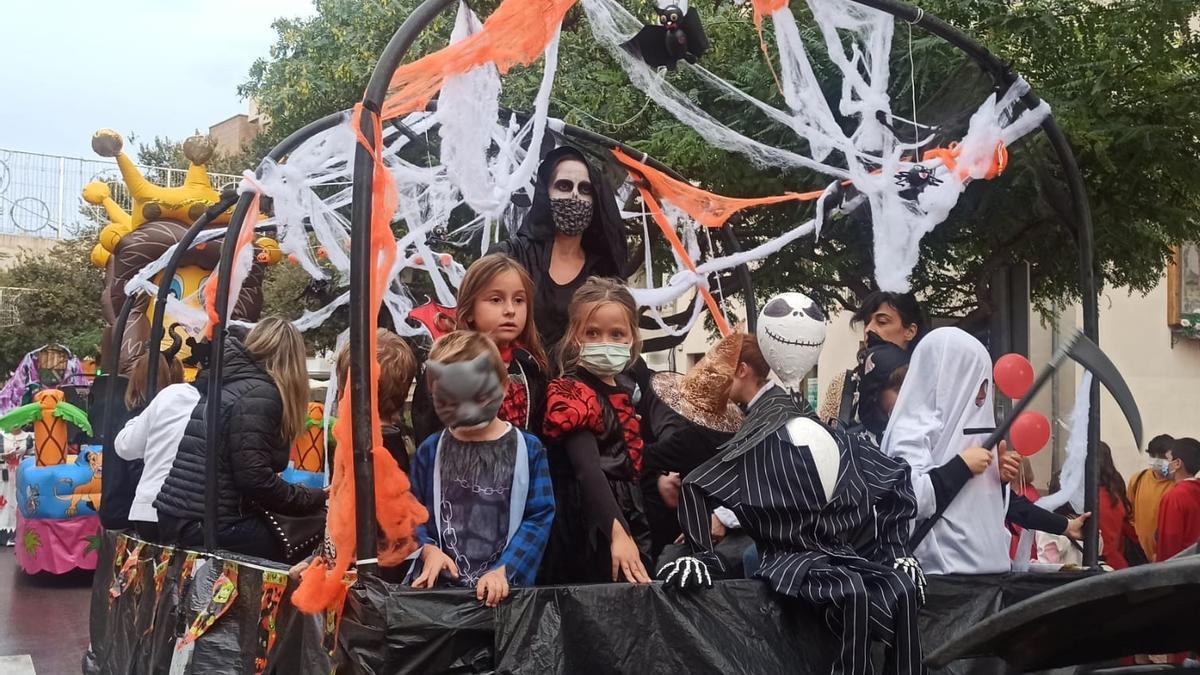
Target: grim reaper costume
[604, 244]
[831, 521]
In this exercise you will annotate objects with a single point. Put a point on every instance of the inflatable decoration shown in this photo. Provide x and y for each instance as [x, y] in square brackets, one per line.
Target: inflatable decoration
[49, 415]
[58, 497]
[307, 465]
[791, 332]
[51, 365]
[160, 216]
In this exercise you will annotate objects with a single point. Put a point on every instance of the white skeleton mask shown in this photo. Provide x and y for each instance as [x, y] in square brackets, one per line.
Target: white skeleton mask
[791, 332]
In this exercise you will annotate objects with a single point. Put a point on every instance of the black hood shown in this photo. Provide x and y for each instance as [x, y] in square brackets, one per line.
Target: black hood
[604, 238]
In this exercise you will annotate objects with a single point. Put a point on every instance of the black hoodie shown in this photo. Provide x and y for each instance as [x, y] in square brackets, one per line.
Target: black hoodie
[604, 245]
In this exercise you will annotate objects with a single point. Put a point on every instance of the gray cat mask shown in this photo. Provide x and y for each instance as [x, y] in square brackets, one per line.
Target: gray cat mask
[466, 394]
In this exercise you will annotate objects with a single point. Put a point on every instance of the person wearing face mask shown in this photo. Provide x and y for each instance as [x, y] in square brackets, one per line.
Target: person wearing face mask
[941, 418]
[601, 533]
[1146, 490]
[573, 231]
[1179, 513]
[892, 318]
[485, 483]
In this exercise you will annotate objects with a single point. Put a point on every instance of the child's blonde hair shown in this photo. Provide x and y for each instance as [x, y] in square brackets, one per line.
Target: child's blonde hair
[479, 275]
[464, 345]
[397, 368]
[594, 292]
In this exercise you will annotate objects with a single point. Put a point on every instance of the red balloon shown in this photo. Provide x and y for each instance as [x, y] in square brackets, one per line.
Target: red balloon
[1030, 432]
[1014, 375]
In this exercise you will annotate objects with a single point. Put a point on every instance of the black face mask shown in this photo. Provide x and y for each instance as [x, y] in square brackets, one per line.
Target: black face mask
[571, 216]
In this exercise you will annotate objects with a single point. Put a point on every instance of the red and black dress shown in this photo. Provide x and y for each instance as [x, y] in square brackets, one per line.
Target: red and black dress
[524, 403]
[595, 446]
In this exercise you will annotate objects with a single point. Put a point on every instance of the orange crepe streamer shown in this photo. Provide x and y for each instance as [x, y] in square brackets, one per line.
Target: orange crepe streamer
[515, 34]
[949, 156]
[673, 239]
[765, 7]
[706, 208]
[396, 510]
[244, 237]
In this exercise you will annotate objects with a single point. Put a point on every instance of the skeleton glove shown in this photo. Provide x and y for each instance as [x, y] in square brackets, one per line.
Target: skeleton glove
[686, 574]
[912, 568]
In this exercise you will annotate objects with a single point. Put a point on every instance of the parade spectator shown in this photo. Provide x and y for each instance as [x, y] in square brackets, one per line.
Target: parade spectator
[170, 371]
[1022, 486]
[485, 483]
[1116, 529]
[153, 436]
[397, 368]
[573, 231]
[264, 396]
[1179, 513]
[497, 298]
[895, 318]
[1146, 490]
[601, 532]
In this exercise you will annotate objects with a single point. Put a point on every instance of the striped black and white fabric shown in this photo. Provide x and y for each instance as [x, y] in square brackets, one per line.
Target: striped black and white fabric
[835, 553]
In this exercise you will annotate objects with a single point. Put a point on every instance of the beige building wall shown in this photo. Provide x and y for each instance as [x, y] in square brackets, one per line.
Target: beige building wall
[13, 245]
[1164, 377]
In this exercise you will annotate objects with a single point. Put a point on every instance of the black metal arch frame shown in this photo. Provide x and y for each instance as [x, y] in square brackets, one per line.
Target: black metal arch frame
[360, 316]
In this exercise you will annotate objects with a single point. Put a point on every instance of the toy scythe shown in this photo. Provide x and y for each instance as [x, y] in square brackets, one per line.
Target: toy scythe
[1087, 354]
[1084, 352]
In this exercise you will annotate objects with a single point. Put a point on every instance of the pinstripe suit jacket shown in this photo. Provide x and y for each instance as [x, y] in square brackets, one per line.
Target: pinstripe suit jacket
[774, 489]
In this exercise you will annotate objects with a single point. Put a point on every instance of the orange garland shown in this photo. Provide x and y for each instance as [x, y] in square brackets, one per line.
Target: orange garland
[673, 239]
[706, 208]
[515, 34]
[397, 511]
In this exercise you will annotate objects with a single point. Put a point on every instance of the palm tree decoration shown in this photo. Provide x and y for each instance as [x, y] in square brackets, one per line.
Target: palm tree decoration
[308, 452]
[49, 414]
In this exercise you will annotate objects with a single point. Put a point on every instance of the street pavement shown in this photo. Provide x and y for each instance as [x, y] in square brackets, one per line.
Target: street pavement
[43, 620]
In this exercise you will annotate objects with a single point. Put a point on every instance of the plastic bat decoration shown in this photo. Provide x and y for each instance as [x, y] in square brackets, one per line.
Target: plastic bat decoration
[679, 35]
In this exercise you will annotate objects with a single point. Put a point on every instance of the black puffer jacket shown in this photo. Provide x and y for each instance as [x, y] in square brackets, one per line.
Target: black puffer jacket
[250, 455]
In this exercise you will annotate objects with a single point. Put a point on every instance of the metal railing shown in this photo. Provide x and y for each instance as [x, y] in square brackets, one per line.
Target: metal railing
[40, 195]
[10, 314]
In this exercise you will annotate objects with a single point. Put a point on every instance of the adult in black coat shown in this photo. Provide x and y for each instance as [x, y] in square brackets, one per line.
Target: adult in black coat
[573, 231]
[263, 397]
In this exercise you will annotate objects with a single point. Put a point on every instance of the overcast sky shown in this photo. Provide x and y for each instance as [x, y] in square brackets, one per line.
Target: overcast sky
[148, 67]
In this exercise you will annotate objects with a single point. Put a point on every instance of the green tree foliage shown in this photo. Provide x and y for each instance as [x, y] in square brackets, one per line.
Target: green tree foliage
[61, 304]
[1127, 104]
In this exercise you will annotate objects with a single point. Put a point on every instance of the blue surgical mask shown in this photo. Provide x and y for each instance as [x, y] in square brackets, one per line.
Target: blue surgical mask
[604, 359]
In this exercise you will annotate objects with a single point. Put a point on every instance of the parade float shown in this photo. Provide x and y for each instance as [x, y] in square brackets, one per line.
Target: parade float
[156, 607]
[58, 494]
[132, 249]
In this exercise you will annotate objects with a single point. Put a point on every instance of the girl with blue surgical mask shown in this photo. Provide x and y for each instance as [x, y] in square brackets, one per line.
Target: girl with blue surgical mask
[601, 532]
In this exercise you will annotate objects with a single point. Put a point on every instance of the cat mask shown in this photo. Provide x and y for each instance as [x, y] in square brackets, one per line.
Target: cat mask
[466, 394]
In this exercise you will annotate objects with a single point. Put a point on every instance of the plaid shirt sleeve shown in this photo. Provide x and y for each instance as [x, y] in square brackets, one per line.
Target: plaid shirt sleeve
[524, 553]
[421, 479]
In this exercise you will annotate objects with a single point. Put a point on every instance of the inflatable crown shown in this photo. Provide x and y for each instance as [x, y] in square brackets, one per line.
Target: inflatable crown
[183, 204]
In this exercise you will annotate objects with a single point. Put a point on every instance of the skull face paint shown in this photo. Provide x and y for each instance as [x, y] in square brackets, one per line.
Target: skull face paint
[466, 394]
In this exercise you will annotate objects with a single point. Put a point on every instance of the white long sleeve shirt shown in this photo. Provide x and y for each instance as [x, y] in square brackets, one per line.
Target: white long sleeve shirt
[153, 437]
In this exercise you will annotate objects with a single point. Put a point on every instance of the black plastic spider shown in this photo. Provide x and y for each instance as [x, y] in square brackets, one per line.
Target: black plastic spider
[915, 180]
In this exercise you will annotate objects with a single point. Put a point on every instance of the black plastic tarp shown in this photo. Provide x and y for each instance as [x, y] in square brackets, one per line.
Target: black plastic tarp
[735, 627]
